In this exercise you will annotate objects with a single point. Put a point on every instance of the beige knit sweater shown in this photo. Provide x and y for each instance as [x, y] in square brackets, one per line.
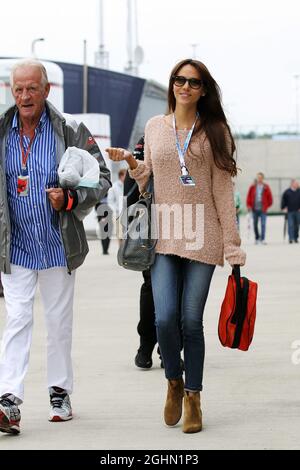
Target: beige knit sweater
[213, 192]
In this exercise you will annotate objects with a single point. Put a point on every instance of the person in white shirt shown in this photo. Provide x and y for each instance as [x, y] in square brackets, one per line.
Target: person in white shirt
[115, 200]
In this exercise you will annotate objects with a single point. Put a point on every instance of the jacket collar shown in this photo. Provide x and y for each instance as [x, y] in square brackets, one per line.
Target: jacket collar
[55, 116]
[41, 124]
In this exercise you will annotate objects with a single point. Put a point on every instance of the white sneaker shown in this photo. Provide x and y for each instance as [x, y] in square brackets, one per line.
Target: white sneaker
[60, 405]
[10, 415]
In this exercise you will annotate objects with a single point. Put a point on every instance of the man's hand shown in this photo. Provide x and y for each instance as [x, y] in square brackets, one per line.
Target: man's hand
[56, 198]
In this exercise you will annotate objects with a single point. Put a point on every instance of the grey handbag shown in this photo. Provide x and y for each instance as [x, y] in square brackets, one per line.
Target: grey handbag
[137, 249]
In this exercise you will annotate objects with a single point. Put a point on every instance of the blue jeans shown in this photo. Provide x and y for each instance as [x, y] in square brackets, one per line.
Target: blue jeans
[293, 225]
[263, 218]
[180, 288]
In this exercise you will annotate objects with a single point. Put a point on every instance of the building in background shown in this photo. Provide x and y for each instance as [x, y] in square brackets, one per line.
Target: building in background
[129, 101]
[118, 104]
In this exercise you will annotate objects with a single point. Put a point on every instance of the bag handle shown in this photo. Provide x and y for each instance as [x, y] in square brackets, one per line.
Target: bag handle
[236, 271]
[132, 189]
[240, 305]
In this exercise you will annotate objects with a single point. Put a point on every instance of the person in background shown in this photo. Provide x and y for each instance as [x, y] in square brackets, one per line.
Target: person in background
[115, 201]
[290, 203]
[146, 326]
[259, 199]
[42, 241]
[237, 203]
[189, 151]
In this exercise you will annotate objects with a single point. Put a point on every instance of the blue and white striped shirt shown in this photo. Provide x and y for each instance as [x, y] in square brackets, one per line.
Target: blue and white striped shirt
[35, 237]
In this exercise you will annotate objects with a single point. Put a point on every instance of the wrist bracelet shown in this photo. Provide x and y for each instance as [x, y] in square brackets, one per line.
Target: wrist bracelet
[70, 201]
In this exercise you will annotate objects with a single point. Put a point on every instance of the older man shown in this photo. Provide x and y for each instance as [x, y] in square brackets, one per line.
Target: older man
[41, 239]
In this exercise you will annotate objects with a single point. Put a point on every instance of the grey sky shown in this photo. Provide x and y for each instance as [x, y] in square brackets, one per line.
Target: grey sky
[250, 47]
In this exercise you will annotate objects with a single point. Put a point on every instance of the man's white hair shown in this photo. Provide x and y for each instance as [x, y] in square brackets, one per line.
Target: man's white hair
[29, 63]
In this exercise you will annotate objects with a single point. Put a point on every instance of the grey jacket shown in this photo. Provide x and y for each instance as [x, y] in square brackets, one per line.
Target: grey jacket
[72, 230]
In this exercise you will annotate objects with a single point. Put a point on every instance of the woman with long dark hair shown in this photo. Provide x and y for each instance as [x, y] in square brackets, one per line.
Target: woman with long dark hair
[190, 154]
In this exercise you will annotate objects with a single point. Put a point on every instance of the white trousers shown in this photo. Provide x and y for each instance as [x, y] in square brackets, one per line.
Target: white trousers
[57, 293]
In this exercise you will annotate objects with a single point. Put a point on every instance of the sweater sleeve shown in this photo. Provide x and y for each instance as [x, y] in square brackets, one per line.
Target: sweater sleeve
[224, 201]
[144, 169]
[223, 195]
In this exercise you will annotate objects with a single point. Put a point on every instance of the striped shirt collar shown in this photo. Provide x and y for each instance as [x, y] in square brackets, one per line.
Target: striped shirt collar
[40, 126]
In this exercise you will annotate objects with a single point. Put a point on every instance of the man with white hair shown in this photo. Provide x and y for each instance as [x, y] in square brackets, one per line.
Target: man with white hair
[41, 239]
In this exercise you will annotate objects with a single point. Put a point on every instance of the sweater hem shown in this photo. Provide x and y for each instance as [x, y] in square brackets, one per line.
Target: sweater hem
[204, 260]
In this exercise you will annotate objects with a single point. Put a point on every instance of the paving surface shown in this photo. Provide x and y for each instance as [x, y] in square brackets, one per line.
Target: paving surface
[251, 400]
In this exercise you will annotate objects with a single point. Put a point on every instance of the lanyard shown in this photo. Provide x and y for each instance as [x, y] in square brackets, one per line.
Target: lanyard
[182, 151]
[25, 155]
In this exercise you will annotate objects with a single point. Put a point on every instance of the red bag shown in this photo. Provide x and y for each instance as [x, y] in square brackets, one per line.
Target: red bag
[238, 312]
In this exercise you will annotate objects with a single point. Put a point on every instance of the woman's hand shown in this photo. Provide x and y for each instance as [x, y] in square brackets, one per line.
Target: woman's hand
[119, 154]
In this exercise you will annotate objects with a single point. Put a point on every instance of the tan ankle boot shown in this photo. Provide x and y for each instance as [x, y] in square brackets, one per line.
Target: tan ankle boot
[192, 419]
[173, 406]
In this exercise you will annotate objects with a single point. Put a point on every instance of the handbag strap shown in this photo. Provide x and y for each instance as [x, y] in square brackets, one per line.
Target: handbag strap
[132, 189]
[241, 302]
[149, 195]
[149, 188]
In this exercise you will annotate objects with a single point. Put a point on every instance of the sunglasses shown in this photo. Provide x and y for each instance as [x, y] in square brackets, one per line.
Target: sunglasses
[194, 83]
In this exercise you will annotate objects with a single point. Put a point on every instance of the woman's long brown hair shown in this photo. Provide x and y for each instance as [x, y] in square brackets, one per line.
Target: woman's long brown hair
[212, 118]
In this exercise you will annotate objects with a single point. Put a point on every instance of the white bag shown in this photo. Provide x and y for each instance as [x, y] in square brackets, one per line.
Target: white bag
[78, 169]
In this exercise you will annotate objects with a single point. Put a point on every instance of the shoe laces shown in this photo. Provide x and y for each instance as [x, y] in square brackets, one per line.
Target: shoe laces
[7, 402]
[57, 399]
